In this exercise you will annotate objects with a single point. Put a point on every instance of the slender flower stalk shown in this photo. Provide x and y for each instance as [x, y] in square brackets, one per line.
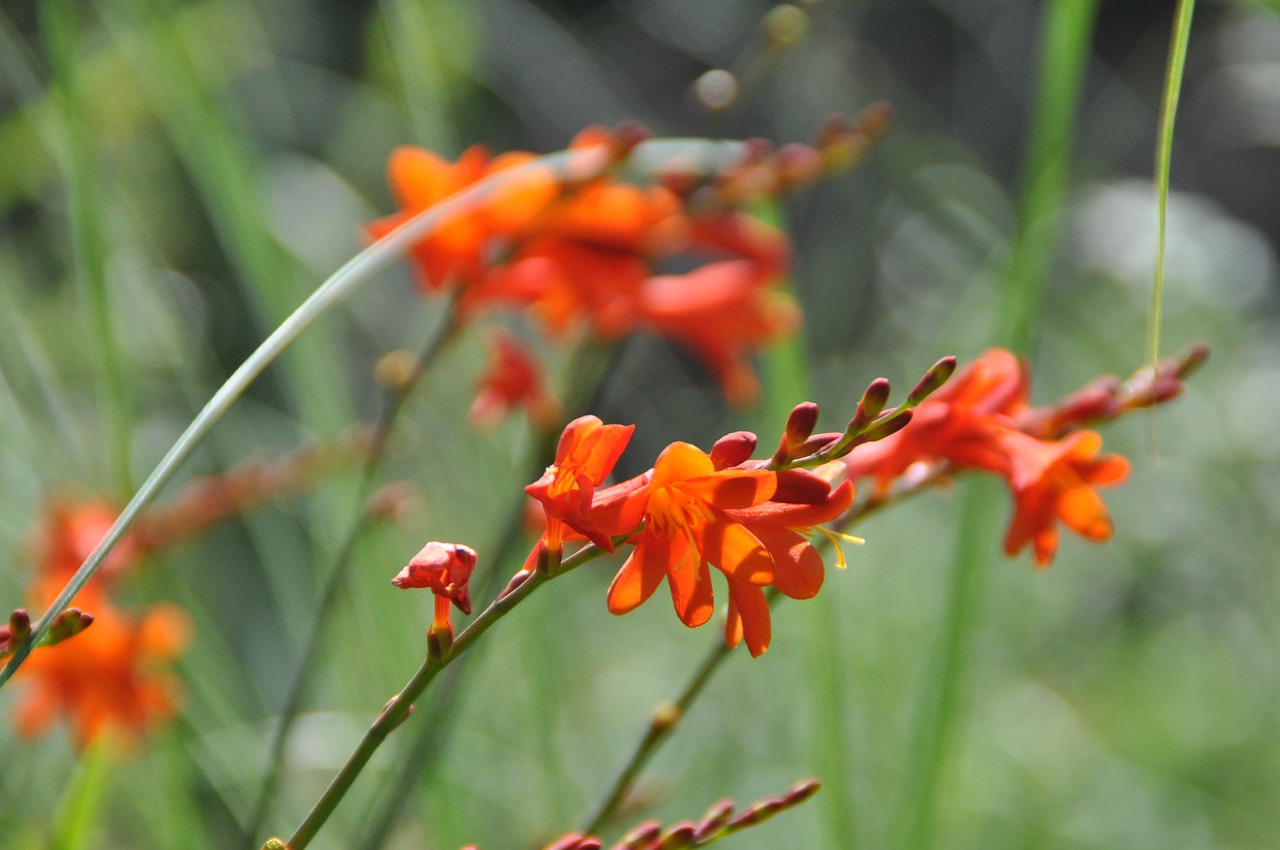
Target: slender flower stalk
[392, 407]
[397, 709]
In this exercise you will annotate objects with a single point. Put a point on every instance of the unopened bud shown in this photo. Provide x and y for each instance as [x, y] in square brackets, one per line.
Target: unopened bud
[439, 641]
[1192, 359]
[572, 841]
[19, 625]
[874, 398]
[890, 425]
[933, 379]
[68, 624]
[801, 791]
[713, 821]
[275, 844]
[640, 835]
[800, 424]
[677, 837]
[516, 580]
[665, 716]
[733, 449]
[395, 370]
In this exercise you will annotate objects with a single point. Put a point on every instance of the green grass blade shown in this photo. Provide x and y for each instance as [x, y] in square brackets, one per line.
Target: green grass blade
[1164, 155]
[89, 218]
[1068, 26]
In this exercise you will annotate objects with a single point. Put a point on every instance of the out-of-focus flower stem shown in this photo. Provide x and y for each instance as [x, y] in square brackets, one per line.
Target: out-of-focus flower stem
[666, 717]
[394, 403]
[398, 707]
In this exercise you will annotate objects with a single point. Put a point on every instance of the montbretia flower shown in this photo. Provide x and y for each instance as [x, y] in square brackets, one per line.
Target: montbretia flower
[1055, 481]
[801, 502]
[687, 526]
[445, 569]
[980, 421]
[513, 380]
[110, 680]
[457, 250]
[585, 455]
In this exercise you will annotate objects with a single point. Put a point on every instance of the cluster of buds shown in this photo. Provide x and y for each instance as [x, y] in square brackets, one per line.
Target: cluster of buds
[67, 624]
[982, 421]
[719, 821]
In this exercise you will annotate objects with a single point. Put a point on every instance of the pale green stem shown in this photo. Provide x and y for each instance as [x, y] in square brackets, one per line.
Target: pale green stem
[1164, 155]
[647, 158]
[398, 708]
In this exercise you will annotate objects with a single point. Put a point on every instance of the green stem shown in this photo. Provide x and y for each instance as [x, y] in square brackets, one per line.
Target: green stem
[646, 158]
[398, 708]
[665, 719]
[88, 236]
[338, 574]
[1164, 155]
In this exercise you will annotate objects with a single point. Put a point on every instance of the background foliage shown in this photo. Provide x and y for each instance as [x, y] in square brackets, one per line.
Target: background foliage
[175, 177]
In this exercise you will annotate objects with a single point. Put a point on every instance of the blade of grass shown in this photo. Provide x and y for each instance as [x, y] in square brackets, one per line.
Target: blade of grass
[1164, 156]
[1067, 27]
[89, 219]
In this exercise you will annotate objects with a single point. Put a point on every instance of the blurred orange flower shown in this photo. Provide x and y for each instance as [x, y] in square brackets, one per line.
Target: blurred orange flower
[976, 421]
[512, 380]
[1055, 481]
[111, 679]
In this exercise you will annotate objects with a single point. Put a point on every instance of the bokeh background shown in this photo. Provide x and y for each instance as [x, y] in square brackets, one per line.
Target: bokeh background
[219, 157]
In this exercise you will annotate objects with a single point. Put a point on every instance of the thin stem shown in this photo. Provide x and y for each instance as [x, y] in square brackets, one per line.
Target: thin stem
[647, 158]
[394, 403]
[666, 718]
[398, 708]
[1164, 155]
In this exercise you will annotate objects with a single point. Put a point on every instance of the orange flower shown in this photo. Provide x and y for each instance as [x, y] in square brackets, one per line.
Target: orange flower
[110, 679]
[958, 424]
[687, 526]
[512, 380]
[444, 568]
[67, 535]
[1055, 481]
[803, 500]
[721, 313]
[585, 456]
[456, 251]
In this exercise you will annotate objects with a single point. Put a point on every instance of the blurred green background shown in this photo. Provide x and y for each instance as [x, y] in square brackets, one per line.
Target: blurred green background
[176, 177]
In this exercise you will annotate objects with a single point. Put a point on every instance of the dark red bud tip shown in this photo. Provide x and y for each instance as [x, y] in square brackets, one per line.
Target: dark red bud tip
[873, 401]
[641, 835]
[572, 841]
[516, 580]
[801, 791]
[19, 624]
[678, 836]
[933, 379]
[1192, 359]
[714, 820]
[800, 424]
[733, 449]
